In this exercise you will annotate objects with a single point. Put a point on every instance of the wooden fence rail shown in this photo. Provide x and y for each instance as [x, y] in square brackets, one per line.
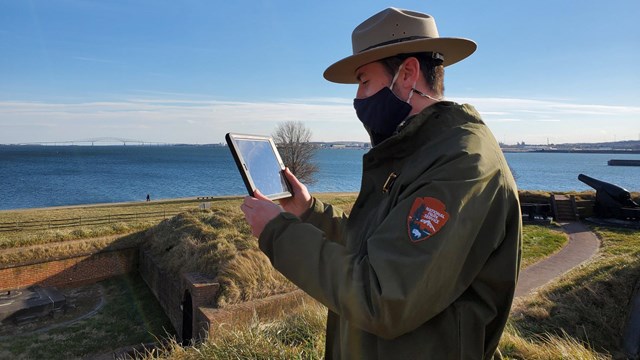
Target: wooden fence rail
[83, 221]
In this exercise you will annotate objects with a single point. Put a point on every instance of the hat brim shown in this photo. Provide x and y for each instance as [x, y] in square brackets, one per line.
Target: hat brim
[453, 50]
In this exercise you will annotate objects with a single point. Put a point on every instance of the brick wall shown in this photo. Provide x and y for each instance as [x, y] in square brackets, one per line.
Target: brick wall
[70, 272]
[166, 289]
[270, 308]
[171, 289]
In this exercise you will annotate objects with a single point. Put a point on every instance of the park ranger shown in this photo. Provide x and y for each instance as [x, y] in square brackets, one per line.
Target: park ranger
[425, 265]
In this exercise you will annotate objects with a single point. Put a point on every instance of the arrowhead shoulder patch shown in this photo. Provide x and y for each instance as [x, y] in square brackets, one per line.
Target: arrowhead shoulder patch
[426, 217]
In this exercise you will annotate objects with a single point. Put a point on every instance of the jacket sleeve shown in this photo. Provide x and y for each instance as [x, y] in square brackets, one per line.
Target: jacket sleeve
[397, 284]
[329, 219]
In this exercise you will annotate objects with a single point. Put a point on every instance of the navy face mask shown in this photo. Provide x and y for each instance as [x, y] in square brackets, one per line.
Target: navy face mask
[382, 112]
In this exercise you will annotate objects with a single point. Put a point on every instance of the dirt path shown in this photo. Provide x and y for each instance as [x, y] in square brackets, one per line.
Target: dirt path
[582, 245]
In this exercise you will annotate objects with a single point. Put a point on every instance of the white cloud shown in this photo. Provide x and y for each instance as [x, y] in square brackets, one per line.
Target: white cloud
[177, 118]
[507, 106]
[500, 120]
[167, 120]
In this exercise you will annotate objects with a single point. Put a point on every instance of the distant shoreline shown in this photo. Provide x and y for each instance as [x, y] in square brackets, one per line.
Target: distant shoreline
[340, 147]
[573, 151]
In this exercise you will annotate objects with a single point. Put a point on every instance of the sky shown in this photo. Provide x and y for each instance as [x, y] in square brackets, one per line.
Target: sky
[190, 71]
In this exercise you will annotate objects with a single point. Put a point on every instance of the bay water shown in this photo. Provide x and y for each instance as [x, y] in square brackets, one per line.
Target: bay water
[42, 176]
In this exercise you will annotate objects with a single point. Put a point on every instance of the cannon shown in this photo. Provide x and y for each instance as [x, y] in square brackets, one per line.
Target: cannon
[612, 201]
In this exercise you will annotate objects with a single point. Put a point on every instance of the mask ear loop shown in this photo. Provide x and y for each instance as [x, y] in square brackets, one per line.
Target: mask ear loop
[395, 77]
[413, 89]
[420, 93]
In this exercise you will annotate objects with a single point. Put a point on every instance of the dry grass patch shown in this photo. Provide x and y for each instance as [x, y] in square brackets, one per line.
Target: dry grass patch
[67, 249]
[545, 347]
[217, 243]
[297, 335]
[107, 219]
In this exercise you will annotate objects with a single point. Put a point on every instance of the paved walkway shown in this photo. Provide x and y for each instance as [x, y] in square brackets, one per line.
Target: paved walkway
[582, 245]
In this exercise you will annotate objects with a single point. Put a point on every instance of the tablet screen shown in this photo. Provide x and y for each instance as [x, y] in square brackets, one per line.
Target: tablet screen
[260, 164]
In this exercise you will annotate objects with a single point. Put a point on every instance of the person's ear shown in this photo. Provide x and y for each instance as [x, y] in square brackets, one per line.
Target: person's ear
[411, 72]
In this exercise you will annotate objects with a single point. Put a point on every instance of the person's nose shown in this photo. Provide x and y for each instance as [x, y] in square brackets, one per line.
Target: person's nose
[360, 94]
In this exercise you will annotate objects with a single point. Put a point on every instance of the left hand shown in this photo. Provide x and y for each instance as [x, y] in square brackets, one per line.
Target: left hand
[301, 200]
[258, 211]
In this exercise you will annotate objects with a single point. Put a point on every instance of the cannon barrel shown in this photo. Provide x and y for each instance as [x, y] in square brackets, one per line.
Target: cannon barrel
[614, 191]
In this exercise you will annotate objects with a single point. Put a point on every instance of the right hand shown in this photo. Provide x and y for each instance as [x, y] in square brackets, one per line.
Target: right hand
[301, 199]
[259, 210]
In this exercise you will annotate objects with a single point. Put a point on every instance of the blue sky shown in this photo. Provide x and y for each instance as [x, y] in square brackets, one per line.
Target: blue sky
[191, 71]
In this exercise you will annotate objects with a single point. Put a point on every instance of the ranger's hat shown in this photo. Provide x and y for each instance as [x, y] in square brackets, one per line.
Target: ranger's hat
[395, 31]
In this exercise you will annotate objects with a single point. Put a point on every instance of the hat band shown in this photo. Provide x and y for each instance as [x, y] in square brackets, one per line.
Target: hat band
[395, 41]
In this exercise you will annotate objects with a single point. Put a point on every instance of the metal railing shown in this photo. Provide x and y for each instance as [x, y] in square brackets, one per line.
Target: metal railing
[84, 221]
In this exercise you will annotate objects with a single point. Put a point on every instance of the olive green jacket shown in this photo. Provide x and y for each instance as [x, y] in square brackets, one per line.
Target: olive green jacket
[425, 266]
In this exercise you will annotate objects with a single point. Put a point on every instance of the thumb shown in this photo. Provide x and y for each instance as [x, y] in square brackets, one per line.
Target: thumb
[258, 195]
[293, 180]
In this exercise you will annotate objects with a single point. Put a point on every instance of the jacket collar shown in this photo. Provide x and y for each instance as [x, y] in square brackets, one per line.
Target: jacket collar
[412, 132]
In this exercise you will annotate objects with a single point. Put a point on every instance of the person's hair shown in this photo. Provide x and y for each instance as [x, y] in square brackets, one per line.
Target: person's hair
[430, 65]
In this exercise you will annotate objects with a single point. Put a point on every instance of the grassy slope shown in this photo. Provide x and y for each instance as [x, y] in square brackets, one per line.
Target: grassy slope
[218, 243]
[578, 317]
[12, 239]
[28, 245]
[569, 318]
[587, 307]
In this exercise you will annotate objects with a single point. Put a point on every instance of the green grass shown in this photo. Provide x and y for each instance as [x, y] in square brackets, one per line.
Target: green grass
[540, 241]
[130, 316]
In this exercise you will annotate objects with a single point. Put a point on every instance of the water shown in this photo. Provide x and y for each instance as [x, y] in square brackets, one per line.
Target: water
[40, 176]
[559, 171]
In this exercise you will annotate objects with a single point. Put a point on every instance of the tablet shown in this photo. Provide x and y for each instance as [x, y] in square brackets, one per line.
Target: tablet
[260, 164]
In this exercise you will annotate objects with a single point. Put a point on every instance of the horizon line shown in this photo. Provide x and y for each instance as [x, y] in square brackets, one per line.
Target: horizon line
[132, 142]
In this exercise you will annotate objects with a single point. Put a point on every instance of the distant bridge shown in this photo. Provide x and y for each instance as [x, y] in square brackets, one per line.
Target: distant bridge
[98, 141]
